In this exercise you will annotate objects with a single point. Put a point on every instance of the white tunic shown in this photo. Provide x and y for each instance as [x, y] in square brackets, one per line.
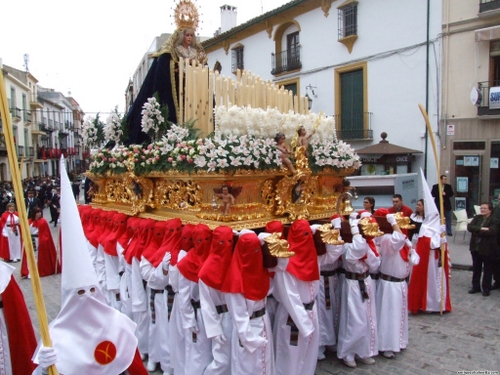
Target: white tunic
[216, 324]
[13, 239]
[392, 296]
[251, 342]
[328, 314]
[198, 353]
[292, 293]
[358, 319]
[159, 340]
[5, 361]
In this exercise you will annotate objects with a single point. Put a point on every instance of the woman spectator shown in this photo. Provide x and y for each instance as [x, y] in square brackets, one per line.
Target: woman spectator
[483, 248]
[369, 204]
[417, 218]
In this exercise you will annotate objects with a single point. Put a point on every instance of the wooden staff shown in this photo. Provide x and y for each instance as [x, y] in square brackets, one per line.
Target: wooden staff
[441, 204]
[23, 221]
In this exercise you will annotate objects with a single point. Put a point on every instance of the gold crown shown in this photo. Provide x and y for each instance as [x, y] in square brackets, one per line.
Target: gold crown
[186, 15]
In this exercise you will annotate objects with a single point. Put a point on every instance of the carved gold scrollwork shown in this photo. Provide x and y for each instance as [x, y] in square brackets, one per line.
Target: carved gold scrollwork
[140, 191]
[268, 194]
[178, 194]
[293, 193]
[116, 191]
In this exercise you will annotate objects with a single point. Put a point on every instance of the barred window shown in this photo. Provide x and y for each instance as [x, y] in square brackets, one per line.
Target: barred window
[348, 19]
[237, 58]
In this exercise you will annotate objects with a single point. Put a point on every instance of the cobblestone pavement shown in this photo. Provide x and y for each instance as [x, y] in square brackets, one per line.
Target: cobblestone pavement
[466, 339]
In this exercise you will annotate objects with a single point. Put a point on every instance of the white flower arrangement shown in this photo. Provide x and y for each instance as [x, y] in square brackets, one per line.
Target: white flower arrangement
[266, 123]
[113, 128]
[334, 154]
[90, 131]
[233, 152]
[152, 119]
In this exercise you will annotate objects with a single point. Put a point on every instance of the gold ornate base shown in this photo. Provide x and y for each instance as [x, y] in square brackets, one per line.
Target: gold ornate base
[240, 199]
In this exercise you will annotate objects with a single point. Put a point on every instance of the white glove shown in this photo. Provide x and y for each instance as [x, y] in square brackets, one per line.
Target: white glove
[46, 357]
[166, 261]
[194, 329]
[337, 223]
[414, 257]
[391, 219]
[353, 216]
[262, 236]
[442, 229]
[409, 244]
[314, 228]
[220, 339]
[354, 226]
[444, 239]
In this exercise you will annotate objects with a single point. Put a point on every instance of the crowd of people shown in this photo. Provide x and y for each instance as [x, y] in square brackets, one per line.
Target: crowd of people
[211, 302]
[204, 302]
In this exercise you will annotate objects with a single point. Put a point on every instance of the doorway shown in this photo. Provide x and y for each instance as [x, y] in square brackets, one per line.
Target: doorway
[468, 182]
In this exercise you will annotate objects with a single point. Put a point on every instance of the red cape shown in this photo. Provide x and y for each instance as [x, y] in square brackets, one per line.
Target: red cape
[22, 341]
[47, 254]
[246, 273]
[304, 264]
[190, 265]
[417, 290]
[213, 271]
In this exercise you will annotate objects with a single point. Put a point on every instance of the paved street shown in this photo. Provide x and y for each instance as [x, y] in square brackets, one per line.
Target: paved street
[465, 340]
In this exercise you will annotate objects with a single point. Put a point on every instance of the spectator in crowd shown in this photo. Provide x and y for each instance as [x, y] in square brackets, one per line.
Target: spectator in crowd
[398, 206]
[483, 248]
[447, 194]
[369, 204]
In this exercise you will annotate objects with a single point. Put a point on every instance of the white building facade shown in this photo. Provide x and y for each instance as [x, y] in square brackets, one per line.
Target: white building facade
[364, 62]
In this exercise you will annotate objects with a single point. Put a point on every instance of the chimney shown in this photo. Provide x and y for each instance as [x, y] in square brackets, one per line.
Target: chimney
[227, 17]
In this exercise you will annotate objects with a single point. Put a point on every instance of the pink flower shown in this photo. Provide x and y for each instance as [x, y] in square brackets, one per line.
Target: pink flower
[183, 157]
[170, 159]
[157, 157]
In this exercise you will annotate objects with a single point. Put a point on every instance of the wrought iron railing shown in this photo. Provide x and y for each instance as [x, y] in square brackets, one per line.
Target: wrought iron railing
[354, 126]
[286, 61]
[20, 151]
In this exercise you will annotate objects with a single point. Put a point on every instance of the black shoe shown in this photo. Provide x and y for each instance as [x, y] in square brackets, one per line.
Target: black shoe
[486, 294]
[495, 286]
[474, 291]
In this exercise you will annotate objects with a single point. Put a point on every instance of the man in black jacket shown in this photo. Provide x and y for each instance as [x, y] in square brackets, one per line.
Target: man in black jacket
[32, 202]
[55, 206]
[447, 194]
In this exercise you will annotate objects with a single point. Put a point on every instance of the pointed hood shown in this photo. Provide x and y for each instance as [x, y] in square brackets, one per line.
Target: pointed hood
[77, 269]
[432, 222]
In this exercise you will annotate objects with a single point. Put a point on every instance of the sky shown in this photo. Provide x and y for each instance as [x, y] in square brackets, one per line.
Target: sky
[90, 52]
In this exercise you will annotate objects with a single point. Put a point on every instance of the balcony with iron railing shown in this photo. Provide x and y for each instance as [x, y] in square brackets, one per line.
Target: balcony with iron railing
[16, 114]
[27, 117]
[489, 5]
[354, 126]
[286, 61]
[483, 102]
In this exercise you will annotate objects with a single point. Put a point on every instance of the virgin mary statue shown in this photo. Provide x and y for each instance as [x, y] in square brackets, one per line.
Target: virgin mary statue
[162, 77]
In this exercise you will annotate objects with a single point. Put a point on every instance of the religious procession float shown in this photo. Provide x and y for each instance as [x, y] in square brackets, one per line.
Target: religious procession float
[202, 147]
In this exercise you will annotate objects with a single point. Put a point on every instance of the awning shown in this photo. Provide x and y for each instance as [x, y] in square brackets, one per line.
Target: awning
[488, 33]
